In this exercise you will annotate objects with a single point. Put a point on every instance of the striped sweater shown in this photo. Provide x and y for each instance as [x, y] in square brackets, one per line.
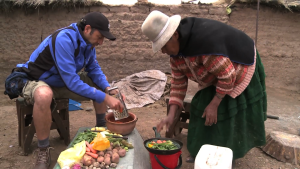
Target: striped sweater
[229, 78]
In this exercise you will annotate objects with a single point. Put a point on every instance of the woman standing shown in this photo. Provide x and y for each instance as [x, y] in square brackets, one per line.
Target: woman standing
[230, 107]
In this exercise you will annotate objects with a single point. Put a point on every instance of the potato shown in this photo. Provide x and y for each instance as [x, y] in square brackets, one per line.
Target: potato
[100, 159]
[93, 160]
[115, 151]
[101, 153]
[118, 148]
[96, 164]
[113, 165]
[122, 152]
[102, 165]
[107, 161]
[109, 152]
[115, 158]
[109, 149]
[87, 160]
[107, 167]
[107, 155]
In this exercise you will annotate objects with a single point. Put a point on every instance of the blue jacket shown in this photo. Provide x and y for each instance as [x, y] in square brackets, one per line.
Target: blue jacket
[72, 53]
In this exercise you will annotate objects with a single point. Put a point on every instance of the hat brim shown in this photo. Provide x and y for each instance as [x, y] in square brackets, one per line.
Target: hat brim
[166, 36]
[107, 35]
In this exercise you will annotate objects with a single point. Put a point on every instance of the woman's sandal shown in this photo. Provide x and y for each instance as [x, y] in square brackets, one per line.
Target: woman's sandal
[190, 159]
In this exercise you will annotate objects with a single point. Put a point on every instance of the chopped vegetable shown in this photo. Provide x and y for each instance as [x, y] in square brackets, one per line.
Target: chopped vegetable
[86, 136]
[160, 145]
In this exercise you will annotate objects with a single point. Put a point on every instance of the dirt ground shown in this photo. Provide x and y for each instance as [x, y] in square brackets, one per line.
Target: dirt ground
[284, 104]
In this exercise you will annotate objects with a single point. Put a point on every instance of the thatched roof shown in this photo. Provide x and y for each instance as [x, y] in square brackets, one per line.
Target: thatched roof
[4, 4]
[289, 4]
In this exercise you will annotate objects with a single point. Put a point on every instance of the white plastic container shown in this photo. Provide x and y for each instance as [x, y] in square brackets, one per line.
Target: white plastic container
[213, 157]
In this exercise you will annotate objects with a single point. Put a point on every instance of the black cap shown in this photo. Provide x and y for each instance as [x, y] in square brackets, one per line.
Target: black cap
[98, 21]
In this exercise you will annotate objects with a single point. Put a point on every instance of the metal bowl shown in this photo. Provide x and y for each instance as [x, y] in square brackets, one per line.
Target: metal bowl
[123, 126]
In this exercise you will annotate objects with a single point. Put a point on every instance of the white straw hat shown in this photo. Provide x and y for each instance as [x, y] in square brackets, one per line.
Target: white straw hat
[159, 28]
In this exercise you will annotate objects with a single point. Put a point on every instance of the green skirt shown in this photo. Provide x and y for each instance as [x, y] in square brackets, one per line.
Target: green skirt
[240, 125]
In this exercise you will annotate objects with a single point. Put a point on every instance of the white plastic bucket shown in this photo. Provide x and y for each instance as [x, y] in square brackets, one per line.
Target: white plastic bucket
[213, 157]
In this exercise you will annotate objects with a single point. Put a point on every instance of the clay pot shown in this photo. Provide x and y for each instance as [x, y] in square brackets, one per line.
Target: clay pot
[123, 126]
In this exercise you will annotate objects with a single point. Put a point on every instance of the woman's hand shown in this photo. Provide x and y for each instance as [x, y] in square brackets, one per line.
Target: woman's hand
[167, 121]
[211, 111]
[211, 114]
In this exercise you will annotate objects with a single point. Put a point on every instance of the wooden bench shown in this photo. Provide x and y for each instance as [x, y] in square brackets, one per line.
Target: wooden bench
[26, 130]
[181, 117]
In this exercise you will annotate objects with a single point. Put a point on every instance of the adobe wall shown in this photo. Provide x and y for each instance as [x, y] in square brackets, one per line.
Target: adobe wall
[22, 30]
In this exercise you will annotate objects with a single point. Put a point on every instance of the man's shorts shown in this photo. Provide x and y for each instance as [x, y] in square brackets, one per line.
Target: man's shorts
[58, 92]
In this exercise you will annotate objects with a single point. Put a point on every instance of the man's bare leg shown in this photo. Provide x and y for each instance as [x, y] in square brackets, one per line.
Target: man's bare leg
[42, 121]
[42, 112]
[100, 109]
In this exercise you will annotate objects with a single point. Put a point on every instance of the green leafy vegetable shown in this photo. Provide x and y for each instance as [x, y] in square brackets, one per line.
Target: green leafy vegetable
[168, 145]
[87, 135]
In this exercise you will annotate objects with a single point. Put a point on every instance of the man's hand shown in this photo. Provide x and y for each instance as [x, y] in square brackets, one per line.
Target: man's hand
[114, 92]
[113, 103]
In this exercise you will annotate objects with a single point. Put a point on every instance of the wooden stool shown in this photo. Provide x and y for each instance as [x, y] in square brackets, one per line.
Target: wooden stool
[60, 122]
[181, 117]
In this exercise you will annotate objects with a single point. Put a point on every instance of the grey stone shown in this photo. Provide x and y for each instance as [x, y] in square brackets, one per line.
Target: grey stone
[119, 9]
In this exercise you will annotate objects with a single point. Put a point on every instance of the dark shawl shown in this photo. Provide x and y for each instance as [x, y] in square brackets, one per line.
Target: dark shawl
[199, 36]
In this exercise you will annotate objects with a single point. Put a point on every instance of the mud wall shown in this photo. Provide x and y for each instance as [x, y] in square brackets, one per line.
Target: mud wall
[22, 30]
[278, 42]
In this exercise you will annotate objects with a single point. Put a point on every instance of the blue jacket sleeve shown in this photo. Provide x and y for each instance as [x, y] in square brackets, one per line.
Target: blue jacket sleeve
[95, 72]
[65, 64]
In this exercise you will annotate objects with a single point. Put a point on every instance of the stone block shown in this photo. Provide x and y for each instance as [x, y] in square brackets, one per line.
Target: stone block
[140, 9]
[116, 56]
[199, 11]
[139, 17]
[179, 10]
[163, 9]
[133, 54]
[217, 11]
[102, 9]
[115, 9]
